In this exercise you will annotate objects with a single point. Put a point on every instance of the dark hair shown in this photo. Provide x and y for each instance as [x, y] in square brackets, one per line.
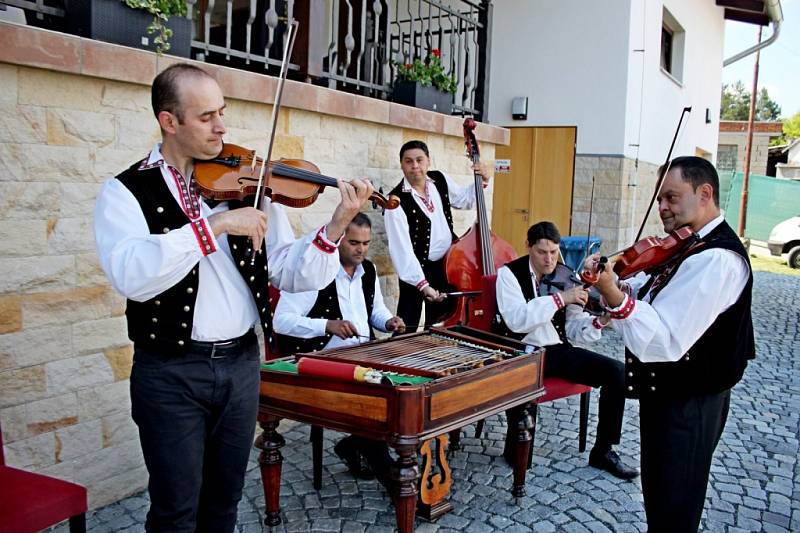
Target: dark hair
[414, 145]
[698, 171]
[361, 220]
[543, 230]
[164, 93]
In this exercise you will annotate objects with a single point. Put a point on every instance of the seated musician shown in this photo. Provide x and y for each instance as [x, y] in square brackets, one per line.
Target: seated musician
[421, 232]
[342, 314]
[539, 304]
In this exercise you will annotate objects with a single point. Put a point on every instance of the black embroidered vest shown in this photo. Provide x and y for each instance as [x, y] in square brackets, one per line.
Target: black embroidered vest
[716, 362]
[419, 225]
[327, 306]
[164, 322]
[521, 270]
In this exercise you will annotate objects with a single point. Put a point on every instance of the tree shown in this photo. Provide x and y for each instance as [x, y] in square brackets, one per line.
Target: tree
[736, 104]
[791, 127]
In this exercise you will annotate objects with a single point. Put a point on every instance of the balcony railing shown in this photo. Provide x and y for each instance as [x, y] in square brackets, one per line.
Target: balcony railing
[348, 45]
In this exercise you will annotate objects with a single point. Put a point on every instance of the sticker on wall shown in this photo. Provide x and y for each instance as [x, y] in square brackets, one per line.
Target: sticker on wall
[502, 166]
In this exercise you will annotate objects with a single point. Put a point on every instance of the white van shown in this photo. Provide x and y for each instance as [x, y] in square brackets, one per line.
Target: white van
[785, 239]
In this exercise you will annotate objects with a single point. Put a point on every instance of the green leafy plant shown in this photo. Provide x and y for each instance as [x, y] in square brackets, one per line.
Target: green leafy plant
[428, 72]
[161, 11]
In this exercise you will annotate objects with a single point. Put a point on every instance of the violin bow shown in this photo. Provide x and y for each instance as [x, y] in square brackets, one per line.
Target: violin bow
[667, 164]
[291, 32]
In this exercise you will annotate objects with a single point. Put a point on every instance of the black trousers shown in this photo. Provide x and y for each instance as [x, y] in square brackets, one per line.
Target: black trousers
[409, 303]
[678, 439]
[589, 368]
[196, 417]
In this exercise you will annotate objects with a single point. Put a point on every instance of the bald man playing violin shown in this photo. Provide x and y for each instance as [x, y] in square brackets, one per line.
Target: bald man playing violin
[688, 334]
[196, 275]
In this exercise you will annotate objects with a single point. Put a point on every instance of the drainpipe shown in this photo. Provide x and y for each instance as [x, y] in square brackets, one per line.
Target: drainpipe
[776, 16]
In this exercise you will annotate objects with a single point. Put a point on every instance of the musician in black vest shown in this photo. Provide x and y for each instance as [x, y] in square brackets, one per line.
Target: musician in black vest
[421, 232]
[541, 304]
[342, 314]
[688, 336]
[194, 296]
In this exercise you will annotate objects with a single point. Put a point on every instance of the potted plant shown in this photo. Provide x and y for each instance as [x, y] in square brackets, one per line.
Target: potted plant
[133, 22]
[425, 84]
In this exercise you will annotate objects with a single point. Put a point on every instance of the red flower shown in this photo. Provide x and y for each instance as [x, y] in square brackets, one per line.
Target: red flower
[408, 66]
[436, 52]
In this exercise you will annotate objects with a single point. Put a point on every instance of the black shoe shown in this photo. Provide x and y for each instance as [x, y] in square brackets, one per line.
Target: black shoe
[348, 452]
[611, 463]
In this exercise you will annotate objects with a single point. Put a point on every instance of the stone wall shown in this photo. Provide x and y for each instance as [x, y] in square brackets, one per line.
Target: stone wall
[69, 124]
[622, 190]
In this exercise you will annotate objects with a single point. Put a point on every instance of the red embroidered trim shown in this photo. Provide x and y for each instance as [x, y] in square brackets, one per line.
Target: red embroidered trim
[422, 284]
[558, 300]
[322, 243]
[188, 194]
[203, 235]
[596, 323]
[625, 310]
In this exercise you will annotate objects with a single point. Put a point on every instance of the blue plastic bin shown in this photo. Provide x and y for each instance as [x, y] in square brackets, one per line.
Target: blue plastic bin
[573, 250]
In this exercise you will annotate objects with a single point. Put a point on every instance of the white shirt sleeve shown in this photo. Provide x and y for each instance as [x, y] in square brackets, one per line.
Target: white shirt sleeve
[461, 196]
[139, 264]
[521, 316]
[380, 313]
[405, 262]
[705, 285]
[579, 325]
[306, 264]
[290, 316]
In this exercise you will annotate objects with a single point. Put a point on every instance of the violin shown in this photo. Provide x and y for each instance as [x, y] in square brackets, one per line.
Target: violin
[234, 175]
[646, 255]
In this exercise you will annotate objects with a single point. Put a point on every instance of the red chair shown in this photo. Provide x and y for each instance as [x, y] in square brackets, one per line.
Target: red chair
[31, 502]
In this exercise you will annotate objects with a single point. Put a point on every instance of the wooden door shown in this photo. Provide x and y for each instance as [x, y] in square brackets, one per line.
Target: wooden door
[537, 184]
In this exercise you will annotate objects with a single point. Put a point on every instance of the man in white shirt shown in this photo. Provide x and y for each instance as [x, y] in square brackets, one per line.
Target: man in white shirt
[342, 314]
[421, 232]
[688, 334]
[540, 304]
[196, 279]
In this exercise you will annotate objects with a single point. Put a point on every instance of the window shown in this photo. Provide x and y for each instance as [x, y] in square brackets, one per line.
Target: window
[673, 38]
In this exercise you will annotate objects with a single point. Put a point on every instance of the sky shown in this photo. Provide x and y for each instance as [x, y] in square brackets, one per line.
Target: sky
[779, 66]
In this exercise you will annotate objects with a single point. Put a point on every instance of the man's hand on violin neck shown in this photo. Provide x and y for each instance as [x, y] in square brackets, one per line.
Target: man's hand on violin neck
[354, 195]
[247, 221]
[482, 169]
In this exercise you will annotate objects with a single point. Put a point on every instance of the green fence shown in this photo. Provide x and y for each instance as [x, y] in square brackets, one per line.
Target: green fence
[769, 201]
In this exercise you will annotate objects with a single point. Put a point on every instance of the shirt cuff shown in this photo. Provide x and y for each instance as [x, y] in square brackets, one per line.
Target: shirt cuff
[322, 242]
[422, 284]
[204, 235]
[624, 309]
[597, 324]
[558, 300]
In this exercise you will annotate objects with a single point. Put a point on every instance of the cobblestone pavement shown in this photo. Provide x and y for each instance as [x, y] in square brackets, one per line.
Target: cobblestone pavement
[755, 477]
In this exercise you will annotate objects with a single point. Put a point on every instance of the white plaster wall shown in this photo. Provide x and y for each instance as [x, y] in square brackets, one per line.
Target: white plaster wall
[655, 100]
[568, 58]
[577, 63]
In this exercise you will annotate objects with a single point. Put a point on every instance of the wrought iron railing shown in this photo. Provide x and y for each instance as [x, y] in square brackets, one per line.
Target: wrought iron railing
[349, 45]
[352, 45]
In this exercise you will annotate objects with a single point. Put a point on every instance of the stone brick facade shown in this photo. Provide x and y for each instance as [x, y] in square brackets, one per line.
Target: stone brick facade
[72, 118]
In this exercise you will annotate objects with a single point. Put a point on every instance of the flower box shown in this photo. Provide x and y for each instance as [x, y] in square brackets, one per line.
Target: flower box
[114, 22]
[421, 96]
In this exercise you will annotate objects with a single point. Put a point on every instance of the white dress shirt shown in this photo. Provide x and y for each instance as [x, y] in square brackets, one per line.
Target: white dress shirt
[290, 315]
[534, 318]
[705, 285]
[405, 262]
[141, 265]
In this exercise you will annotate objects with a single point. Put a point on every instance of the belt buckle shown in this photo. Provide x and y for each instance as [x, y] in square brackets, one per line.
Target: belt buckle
[219, 345]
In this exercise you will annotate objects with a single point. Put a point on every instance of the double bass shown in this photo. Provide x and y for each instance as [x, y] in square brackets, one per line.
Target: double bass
[472, 261]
